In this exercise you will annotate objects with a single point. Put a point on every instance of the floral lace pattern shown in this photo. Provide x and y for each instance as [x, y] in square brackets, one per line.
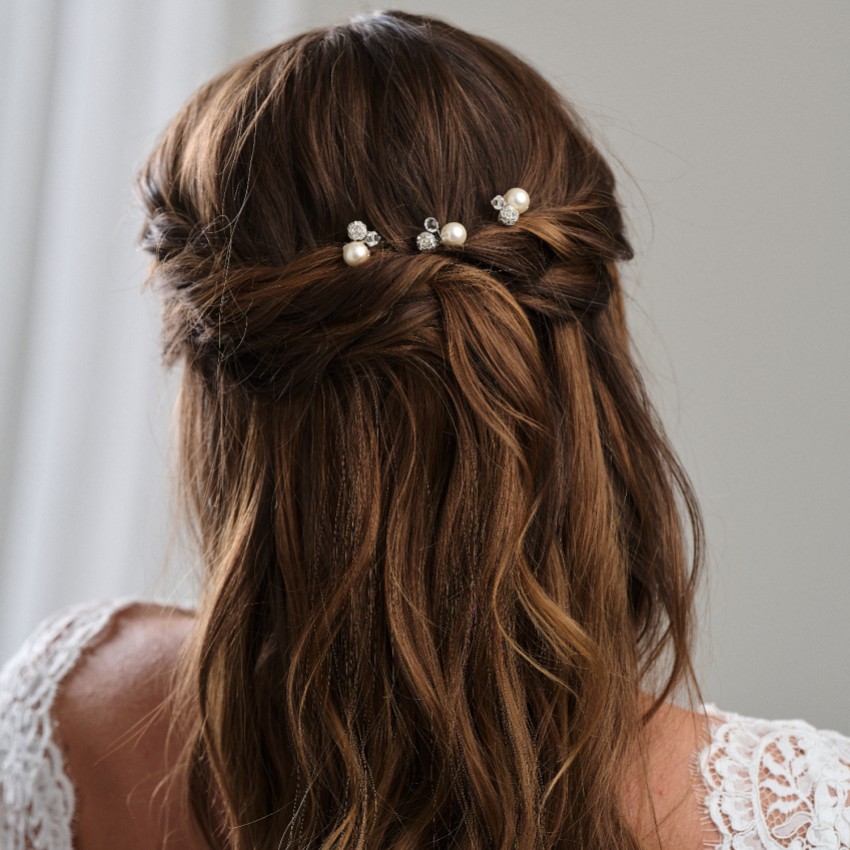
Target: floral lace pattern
[36, 796]
[776, 785]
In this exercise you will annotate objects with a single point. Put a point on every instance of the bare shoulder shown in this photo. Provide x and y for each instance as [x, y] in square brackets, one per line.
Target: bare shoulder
[140, 644]
[113, 714]
[674, 738]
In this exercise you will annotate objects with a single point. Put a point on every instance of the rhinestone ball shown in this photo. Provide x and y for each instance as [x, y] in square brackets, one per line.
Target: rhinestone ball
[508, 215]
[427, 241]
[357, 231]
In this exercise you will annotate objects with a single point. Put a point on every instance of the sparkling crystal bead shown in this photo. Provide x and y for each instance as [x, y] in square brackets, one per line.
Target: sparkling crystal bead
[372, 238]
[357, 231]
[498, 202]
[427, 241]
[431, 224]
[508, 215]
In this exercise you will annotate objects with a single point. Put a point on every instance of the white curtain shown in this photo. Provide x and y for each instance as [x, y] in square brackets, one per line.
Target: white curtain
[85, 88]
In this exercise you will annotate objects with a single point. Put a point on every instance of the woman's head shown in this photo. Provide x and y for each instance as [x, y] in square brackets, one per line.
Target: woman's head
[440, 523]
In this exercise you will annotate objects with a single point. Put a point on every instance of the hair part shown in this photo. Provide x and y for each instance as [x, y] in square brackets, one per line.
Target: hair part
[445, 539]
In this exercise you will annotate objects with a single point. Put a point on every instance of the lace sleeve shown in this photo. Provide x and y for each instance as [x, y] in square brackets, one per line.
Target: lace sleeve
[36, 796]
[776, 785]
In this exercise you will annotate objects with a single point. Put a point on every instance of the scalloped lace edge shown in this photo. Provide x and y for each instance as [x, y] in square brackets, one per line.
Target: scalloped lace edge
[37, 798]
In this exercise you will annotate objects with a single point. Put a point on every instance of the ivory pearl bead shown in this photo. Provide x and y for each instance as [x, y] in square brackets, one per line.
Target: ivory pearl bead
[453, 234]
[518, 199]
[355, 253]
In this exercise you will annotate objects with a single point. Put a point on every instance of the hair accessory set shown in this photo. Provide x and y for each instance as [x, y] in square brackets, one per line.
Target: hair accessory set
[452, 234]
[510, 206]
[362, 239]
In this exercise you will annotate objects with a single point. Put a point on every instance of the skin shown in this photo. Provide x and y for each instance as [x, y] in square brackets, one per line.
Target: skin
[674, 736]
[111, 694]
[116, 748]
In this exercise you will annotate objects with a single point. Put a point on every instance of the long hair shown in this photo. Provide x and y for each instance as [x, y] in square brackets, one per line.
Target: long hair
[445, 541]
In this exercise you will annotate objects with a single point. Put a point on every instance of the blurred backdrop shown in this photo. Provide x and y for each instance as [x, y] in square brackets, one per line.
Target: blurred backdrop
[729, 126]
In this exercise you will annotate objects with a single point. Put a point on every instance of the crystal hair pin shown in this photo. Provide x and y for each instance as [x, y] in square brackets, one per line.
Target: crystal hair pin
[511, 205]
[362, 239]
[452, 234]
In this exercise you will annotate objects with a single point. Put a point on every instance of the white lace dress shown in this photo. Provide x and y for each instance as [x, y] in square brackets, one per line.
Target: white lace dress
[770, 785]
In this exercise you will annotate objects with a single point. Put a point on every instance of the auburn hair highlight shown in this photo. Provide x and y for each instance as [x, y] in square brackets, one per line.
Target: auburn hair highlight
[445, 540]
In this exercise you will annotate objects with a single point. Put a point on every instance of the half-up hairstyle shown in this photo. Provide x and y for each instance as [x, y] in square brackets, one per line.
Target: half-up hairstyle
[445, 541]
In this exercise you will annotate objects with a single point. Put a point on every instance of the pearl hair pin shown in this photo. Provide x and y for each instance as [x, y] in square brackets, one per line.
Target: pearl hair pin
[452, 234]
[511, 205]
[362, 239]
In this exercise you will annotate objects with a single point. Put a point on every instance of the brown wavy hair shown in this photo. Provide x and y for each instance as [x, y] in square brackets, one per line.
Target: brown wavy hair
[445, 540]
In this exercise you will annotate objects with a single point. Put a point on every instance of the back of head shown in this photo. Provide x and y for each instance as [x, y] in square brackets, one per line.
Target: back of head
[441, 526]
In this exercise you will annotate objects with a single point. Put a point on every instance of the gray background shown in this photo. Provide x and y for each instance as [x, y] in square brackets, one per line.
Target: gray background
[729, 126]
